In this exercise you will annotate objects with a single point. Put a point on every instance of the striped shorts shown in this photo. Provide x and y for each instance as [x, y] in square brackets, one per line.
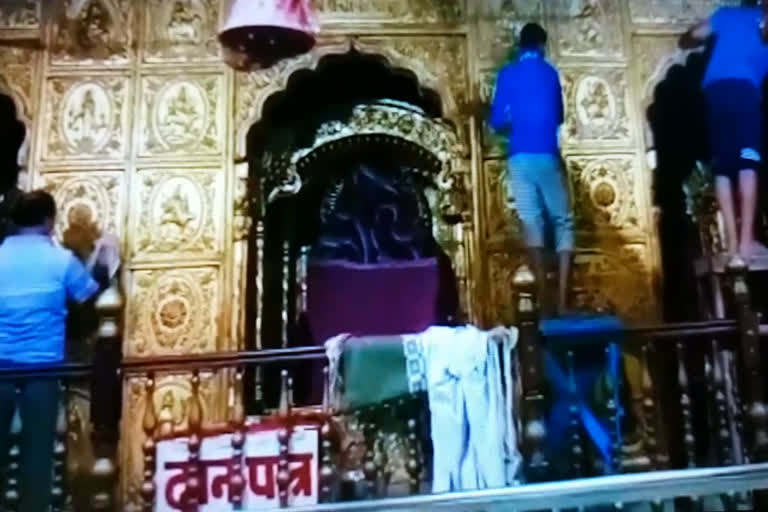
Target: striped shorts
[538, 186]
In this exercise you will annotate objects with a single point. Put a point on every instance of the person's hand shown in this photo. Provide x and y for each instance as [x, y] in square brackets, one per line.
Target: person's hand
[108, 247]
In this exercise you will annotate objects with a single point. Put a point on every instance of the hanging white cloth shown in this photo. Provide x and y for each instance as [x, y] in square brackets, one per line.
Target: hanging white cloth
[471, 396]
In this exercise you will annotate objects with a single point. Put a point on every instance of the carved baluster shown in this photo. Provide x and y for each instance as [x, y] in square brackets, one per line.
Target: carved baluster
[531, 361]
[237, 424]
[369, 463]
[259, 256]
[284, 439]
[413, 463]
[286, 289]
[721, 407]
[195, 422]
[149, 425]
[577, 446]
[12, 492]
[106, 396]
[59, 483]
[689, 438]
[301, 280]
[751, 371]
[326, 465]
[382, 464]
[612, 409]
[649, 411]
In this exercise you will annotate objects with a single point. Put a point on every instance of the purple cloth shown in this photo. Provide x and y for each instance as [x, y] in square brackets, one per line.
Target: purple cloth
[371, 299]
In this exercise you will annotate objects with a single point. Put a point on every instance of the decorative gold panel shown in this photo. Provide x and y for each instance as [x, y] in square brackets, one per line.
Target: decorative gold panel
[173, 311]
[390, 11]
[615, 279]
[16, 80]
[181, 30]
[494, 146]
[588, 28]
[170, 400]
[673, 11]
[596, 103]
[95, 32]
[87, 117]
[180, 214]
[604, 192]
[20, 15]
[496, 36]
[183, 115]
[88, 198]
[502, 222]
[501, 270]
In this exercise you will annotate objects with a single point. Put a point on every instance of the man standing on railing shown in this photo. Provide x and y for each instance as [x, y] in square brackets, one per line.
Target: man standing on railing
[37, 279]
[528, 106]
[732, 87]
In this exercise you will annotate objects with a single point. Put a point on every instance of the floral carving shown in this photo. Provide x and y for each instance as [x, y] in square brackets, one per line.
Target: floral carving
[673, 11]
[602, 278]
[94, 32]
[87, 117]
[90, 201]
[182, 115]
[390, 11]
[181, 30]
[178, 213]
[501, 270]
[16, 82]
[596, 106]
[173, 312]
[588, 28]
[604, 193]
[497, 34]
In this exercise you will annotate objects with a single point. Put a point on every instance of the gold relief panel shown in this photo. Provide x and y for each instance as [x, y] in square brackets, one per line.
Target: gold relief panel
[596, 107]
[588, 28]
[502, 222]
[604, 193]
[390, 11]
[180, 214]
[181, 30]
[501, 270]
[20, 14]
[91, 202]
[16, 80]
[440, 62]
[602, 278]
[172, 311]
[87, 117]
[673, 11]
[496, 35]
[494, 146]
[171, 402]
[652, 57]
[182, 115]
[94, 32]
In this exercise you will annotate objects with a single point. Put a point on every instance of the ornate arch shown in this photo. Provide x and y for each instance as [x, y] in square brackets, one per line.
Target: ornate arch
[23, 114]
[254, 89]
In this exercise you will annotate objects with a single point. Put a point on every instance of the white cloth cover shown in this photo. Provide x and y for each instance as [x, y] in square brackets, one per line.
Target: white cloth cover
[471, 399]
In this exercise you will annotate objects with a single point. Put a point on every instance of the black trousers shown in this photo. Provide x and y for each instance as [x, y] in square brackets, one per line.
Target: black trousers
[38, 404]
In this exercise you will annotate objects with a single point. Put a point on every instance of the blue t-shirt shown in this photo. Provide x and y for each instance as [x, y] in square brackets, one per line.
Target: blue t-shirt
[36, 280]
[739, 52]
[528, 105]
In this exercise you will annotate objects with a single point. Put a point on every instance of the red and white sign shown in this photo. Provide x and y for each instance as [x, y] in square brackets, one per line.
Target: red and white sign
[259, 468]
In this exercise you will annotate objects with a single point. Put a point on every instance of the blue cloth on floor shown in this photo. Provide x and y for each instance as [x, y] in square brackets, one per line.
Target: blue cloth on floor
[593, 341]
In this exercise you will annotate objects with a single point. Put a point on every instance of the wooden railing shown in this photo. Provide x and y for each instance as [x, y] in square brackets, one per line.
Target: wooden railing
[740, 335]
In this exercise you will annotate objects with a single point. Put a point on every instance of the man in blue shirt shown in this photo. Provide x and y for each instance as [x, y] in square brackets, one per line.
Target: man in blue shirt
[732, 87]
[528, 107]
[37, 280]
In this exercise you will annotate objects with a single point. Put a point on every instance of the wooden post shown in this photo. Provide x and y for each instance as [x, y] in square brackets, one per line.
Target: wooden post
[531, 363]
[284, 440]
[326, 465]
[195, 422]
[149, 425]
[106, 397]
[237, 424]
[59, 483]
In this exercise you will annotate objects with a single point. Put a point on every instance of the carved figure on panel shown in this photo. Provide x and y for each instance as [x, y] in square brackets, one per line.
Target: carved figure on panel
[182, 30]
[181, 115]
[93, 27]
[23, 14]
[597, 106]
[87, 120]
[186, 24]
[589, 27]
[88, 205]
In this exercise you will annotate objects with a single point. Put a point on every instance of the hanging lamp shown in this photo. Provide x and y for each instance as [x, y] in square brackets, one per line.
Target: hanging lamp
[258, 33]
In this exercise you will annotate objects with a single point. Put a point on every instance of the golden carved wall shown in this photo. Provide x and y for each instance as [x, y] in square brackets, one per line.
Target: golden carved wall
[135, 122]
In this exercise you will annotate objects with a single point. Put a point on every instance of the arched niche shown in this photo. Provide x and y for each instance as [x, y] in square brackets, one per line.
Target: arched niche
[23, 114]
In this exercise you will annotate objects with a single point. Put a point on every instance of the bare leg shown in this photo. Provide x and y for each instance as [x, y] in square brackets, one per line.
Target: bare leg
[564, 277]
[748, 200]
[540, 271]
[725, 201]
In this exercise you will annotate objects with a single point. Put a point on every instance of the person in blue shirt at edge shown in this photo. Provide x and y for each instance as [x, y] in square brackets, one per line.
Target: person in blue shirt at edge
[37, 279]
[528, 107]
[732, 87]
